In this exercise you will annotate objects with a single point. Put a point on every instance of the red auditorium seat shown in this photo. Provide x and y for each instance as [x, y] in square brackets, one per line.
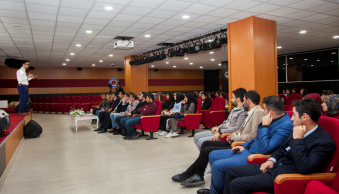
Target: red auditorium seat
[217, 106]
[49, 105]
[77, 102]
[69, 104]
[320, 188]
[203, 111]
[85, 103]
[191, 121]
[97, 100]
[283, 183]
[90, 100]
[283, 97]
[55, 105]
[150, 123]
[62, 104]
[36, 106]
[42, 104]
[290, 99]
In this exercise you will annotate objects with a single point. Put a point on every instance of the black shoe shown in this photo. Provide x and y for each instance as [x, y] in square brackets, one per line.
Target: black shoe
[180, 177]
[127, 137]
[134, 136]
[103, 131]
[117, 132]
[203, 191]
[194, 180]
[123, 134]
[112, 131]
[99, 129]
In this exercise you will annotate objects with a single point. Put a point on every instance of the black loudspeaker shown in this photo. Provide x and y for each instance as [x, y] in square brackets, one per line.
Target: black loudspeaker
[119, 69]
[31, 68]
[156, 69]
[79, 68]
[32, 129]
[14, 63]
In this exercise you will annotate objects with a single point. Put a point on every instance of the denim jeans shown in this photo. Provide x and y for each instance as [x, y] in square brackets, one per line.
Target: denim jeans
[129, 122]
[24, 97]
[113, 115]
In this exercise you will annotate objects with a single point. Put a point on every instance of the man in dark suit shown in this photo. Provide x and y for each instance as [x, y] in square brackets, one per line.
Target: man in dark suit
[305, 151]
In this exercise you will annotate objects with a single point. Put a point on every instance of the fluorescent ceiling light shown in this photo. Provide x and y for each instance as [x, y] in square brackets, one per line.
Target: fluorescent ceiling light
[311, 65]
[93, 65]
[291, 58]
[302, 32]
[332, 61]
[283, 64]
[186, 58]
[305, 59]
[212, 59]
[147, 35]
[174, 66]
[211, 52]
[108, 8]
[110, 55]
[100, 61]
[71, 53]
[67, 59]
[279, 47]
[89, 31]
[318, 60]
[78, 45]
[335, 37]
[191, 63]
[185, 16]
[64, 64]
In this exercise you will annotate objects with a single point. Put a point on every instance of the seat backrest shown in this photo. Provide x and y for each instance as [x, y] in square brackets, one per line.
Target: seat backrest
[283, 97]
[48, 99]
[55, 99]
[90, 98]
[159, 104]
[331, 126]
[43, 100]
[84, 99]
[97, 99]
[70, 99]
[77, 99]
[63, 99]
[199, 104]
[335, 185]
[217, 104]
[292, 98]
[289, 113]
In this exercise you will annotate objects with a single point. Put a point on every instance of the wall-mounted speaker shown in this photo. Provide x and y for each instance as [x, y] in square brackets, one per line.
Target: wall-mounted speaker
[119, 69]
[156, 69]
[31, 68]
[79, 68]
[13, 63]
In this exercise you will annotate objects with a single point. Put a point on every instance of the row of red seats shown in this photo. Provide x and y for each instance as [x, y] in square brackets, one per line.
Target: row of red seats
[64, 104]
[215, 115]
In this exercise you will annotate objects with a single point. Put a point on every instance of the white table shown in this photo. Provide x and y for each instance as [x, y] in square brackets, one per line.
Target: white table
[84, 118]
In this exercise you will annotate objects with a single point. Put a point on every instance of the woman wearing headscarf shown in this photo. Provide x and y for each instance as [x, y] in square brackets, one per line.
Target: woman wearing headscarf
[288, 92]
[330, 104]
[206, 101]
[168, 105]
[189, 105]
[178, 98]
[212, 95]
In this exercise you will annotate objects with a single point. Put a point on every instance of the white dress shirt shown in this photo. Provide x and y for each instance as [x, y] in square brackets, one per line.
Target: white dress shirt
[22, 77]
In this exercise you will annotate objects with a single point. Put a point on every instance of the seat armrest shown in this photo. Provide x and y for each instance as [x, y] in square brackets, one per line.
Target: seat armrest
[225, 135]
[238, 143]
[135, 115]
[255, 156]
[192, 120]
[223, 111]
[204, 110]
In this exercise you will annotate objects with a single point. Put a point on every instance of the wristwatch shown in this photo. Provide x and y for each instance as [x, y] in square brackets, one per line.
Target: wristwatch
[232, 138]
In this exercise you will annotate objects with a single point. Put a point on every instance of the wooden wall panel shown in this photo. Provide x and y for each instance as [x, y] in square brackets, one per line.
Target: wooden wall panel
[175, 88]
[137, 77]
[14, 91]
[175, 74]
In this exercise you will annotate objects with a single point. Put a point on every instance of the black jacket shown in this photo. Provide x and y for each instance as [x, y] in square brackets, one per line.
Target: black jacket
[119, 90]
[135, 111]
[122, 107]
[167, 105]
[116, 103]
[306, 155]
[206, 105]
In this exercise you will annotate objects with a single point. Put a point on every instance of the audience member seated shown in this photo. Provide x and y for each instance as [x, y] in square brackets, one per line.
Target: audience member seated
[273, 131]
[165, 114]
[306, 151]
[224, 95]
[330, 105]
[116, 102]
[211, 95]
[200, 93]
[142, 102]
[232, 124]
[303, 92]
[218, 93]
[107, 122]
[169, 104]
[107, 106]
[206, 101]
[189, 105]
[160, 97]
[327, 92]
[288, 92]
[149, 109]
[247, 131]
[104, 100]
[295, 91]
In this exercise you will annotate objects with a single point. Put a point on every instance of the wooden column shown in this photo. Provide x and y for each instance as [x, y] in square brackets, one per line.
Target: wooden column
[136, 77]
[252, 56]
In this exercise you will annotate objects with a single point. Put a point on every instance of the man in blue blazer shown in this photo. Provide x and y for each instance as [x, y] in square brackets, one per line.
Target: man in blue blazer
[305, 151]
[273, 131]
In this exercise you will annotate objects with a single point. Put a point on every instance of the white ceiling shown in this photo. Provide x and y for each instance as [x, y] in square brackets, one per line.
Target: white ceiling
[46, 31]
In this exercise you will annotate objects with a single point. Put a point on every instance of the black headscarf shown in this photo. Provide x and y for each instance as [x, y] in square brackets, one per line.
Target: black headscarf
[170, 99]
[195, 95]
[191, 99]
[212, 95]
[179, 96]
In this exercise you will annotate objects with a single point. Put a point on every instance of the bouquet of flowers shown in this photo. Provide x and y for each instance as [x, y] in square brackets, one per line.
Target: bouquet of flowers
[77, 112]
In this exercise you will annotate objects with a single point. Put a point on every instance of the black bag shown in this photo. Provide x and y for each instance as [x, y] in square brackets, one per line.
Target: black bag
[27, 107]
[176, 116]
[32, 129]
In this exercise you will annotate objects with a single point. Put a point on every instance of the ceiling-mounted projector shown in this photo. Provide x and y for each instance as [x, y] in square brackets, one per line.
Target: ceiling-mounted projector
[123, 44]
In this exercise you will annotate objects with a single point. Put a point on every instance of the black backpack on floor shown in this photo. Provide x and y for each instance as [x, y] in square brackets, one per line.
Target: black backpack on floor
[32, 129]
[27, 107]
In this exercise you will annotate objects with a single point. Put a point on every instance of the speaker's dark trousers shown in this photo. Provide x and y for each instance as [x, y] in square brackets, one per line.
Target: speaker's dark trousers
[24, 97]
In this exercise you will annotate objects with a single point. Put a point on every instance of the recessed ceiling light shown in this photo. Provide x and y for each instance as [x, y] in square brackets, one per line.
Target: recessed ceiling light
[200, 67]
[318, 60]
[279, 47]
[291, 58]
[78, 45]
[283, 64]
[185, 16]
[93, 65]
[305, 59]
[211, 52]
[89, 31]
[191, 63]
[67, 59]
[152, 66]
[71, 53]
[174, 66]
[100, 61]
[332, 61]
[283, 68]
[64, 64]
[302, 32]
[110, 55]
[108, 8]
[311, 65]
[212, 59]
[147, 35]
[335, 37]
[219, 64]
[167, 62]
[333, 53]
[186, 58]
